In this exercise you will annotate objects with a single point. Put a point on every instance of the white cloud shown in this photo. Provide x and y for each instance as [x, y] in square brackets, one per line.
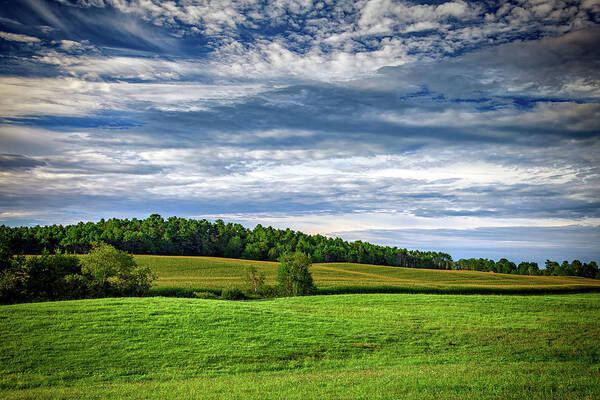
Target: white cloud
[94, 67]
[211, 16]
[591, 5]
[421, 26]
[72, 96]
[15, 37]
[341, 46]
[10, 21]
[51, 96]
[345, 224]
[385, 16]
[71, 46]
[549, 116]
[264, 59]
[274, 60]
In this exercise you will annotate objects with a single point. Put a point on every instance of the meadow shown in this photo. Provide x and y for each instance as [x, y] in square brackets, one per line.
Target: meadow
[181, 275]
[410, 346]
[400, 344]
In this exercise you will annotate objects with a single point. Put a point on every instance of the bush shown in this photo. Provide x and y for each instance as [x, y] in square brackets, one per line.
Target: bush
[5, 255]
[206, 295]
[76, 286]
[38, 278]
[104, 271]
[233, 293]
[268, 291]
[46, 275]
[254, 279]
[13, 281]
[173, 292]
[114, 273]
[294, 275]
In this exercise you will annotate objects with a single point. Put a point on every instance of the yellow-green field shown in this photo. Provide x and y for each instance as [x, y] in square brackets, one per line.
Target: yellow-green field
[213, 273]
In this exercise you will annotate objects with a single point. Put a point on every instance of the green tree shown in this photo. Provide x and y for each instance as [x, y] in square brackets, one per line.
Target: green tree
[254, 278]
[590, 270]
[42, 277]
[234, 247]
[576, 268]
[533, 269]
[114, 272]
[551, 267]
[528, 268]
[294, 275]
[5, 255]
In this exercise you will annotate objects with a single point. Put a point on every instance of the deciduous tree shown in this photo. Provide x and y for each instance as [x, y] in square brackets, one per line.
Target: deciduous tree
[294, 275]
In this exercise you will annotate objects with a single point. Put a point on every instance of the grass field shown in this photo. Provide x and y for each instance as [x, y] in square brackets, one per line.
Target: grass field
[212, 273]
[410, 346]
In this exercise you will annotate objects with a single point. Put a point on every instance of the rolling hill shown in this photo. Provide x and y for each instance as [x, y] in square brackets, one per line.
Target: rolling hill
[214, 273]
[409, 346]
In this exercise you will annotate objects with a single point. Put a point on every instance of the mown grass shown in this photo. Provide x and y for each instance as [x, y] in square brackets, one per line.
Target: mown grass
[184, 275]
[347, 346]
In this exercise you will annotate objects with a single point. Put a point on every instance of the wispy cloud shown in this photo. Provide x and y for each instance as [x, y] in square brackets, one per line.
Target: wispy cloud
[16, 37]
[368, 118]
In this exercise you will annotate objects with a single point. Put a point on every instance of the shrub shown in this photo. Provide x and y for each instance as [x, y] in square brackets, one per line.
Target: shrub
[38, 278]
[104, 271]
[233, 293]
[76, 286]
[268, 291]
[46, 275]
[254, 279]
[114, 273]
[13, 281]
[206, 295]
[173, 292]
[294, 275]
[5, 255]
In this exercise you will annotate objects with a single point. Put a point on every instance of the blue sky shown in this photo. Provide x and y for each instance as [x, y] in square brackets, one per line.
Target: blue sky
[466, 127]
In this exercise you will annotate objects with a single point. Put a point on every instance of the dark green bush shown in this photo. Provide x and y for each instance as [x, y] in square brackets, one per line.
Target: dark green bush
[206, 295]
[76, 286]
[13, 282]
[105, 271]
[233, 293]
[173, 292]
[38, 278]
[267, 291]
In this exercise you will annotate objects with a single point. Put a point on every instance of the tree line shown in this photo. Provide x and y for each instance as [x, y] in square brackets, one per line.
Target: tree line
[191, 237]
[552, 268]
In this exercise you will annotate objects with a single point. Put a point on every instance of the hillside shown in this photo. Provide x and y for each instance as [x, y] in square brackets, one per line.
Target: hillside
[350, 346]
[214, 273]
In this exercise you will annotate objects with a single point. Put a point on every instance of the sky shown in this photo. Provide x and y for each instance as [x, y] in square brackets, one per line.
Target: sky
[466, 127]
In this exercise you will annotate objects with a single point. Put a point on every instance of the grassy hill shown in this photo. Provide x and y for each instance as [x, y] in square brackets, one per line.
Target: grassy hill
[213, 273]
[349, 346]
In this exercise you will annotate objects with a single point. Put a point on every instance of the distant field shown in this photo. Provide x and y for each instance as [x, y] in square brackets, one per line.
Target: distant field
[376, 346]
[213, 273]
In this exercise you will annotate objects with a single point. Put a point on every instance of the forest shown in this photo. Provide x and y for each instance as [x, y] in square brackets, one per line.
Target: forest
[191, 237]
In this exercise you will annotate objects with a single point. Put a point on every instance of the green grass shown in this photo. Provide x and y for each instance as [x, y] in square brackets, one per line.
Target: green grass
[347, 346]
[183, 275]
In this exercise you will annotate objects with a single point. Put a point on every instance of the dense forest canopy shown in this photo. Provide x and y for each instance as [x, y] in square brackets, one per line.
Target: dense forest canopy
[180, 236]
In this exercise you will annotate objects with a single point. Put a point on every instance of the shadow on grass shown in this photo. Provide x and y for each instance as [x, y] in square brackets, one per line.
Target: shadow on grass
[457, 290]
[194, 292]
[181, 292]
